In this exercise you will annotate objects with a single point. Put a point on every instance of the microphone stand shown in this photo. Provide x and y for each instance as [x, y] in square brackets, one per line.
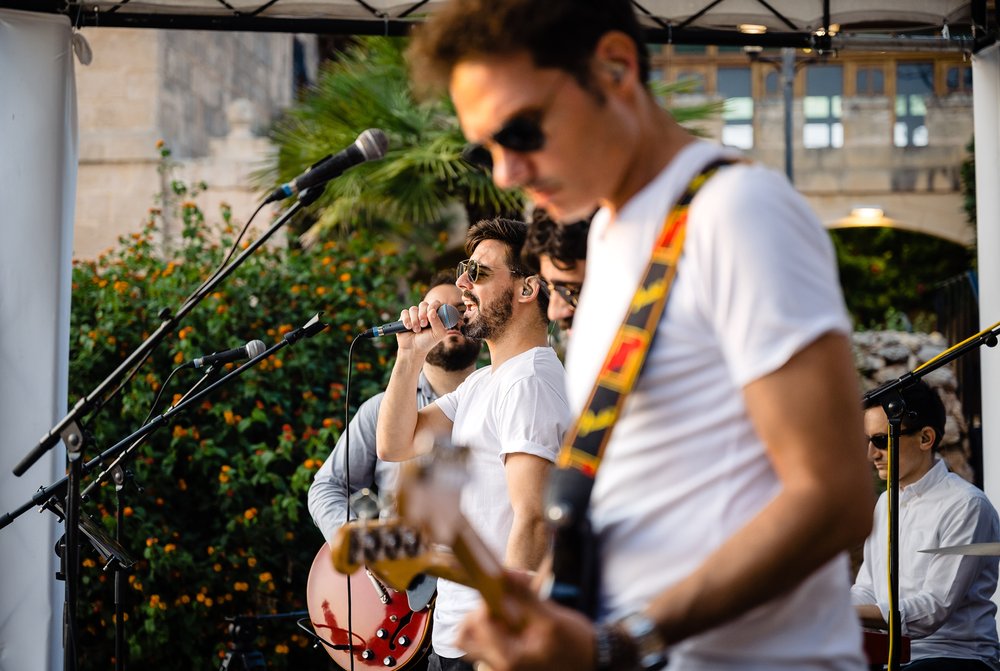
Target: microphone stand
[68, 428]
[121, 476]
[890, 396]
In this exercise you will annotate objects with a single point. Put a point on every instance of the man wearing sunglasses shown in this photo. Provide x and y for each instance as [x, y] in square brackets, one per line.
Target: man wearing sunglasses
[559, 254]
[944, 600]
[511, 414]
[729, 490]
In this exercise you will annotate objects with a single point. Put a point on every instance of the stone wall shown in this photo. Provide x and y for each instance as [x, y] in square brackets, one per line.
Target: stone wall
[882, 356]
[210, 96]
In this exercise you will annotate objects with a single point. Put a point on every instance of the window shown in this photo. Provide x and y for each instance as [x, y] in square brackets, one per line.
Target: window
[772, 84]
[733, 84]
[822, 107]
[959, 79]
[694, 79]
[914, 82]
[869, 81]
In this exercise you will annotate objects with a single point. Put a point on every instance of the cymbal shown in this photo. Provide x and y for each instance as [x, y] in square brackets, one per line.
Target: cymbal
[979, 549]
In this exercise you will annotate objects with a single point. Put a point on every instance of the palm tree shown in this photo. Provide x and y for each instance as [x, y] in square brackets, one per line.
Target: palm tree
[421, 186]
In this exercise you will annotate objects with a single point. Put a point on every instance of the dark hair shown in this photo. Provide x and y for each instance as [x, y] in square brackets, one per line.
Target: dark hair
[923, 408]
[557, 33]
[441, 277]
[512, 234]
[564, 244]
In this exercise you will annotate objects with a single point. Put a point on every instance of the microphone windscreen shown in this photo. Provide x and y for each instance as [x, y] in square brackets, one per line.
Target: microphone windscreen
[373, 144]
[449, 315]
[255, 348]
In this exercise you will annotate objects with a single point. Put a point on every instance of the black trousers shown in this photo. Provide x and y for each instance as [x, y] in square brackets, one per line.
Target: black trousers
[436, 663]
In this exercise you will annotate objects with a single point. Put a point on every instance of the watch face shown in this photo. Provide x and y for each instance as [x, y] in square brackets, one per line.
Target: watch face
[650, 646]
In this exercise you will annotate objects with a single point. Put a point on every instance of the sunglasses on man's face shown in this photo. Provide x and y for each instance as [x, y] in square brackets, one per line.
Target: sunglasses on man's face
[568, 291]
[521, 133]
[880, 441]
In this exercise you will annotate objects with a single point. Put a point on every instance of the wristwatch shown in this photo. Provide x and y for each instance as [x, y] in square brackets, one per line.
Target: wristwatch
[629, 644]
[649, 645]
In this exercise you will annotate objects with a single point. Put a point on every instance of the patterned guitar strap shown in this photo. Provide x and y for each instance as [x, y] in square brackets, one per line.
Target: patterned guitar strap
[583, 446]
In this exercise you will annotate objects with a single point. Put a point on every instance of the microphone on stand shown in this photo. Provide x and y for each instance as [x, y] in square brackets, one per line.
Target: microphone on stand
[248, 351]
[369, 146]
[446, 312]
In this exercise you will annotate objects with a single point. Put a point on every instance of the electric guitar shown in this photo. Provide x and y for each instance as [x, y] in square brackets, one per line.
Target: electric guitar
[430, 536]
[386, 633]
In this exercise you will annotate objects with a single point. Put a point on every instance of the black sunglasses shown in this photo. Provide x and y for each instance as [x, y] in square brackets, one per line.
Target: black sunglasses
[880, 441]
[568, 291]
[521, 133]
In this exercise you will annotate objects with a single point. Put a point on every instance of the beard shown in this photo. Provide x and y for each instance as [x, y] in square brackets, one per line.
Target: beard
[454, 353]
[491, 321]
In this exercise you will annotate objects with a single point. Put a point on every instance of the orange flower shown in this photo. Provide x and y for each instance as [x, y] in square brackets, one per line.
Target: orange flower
[266, 576]
[345, 277]
[169, 547]
[179, 431]
[251, 561]
[250, 513]
[179, 358]
[127, 511]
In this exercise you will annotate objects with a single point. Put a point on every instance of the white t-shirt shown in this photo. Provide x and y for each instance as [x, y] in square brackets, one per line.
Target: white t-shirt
[519, 407]
[944, 600]
[684, 469]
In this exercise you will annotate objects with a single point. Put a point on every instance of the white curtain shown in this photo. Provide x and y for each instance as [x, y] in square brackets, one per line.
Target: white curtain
[38, 161]
[986, 102]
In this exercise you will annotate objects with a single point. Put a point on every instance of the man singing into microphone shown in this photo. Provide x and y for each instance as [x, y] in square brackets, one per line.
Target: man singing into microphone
[444, 368]
[511, 415]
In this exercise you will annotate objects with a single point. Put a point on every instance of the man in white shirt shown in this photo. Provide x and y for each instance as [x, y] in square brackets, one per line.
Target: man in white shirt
[511, 414]
[726, 496]
[944, 600]
[445, 367]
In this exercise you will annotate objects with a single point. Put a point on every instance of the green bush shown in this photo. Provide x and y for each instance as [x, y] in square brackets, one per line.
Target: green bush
[220, 527]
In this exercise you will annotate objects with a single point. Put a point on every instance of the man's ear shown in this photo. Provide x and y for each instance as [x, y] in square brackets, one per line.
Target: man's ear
[927, 436]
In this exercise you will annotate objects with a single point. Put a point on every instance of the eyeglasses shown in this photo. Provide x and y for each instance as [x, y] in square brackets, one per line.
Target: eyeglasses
[521, 133]
[568, 291]
[477, 271]
[880, 441]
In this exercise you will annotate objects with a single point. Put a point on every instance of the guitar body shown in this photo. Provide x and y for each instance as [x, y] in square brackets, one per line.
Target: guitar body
[386, 633]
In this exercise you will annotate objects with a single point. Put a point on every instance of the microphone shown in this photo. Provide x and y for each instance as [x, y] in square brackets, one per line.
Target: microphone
[248, 351]
[369, 146]
[446, 312]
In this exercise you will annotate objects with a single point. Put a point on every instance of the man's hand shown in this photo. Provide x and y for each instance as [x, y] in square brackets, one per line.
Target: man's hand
[550, 638]
[426, 329]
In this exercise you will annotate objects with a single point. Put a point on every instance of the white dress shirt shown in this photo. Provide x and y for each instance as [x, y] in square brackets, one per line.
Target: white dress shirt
[944, 600]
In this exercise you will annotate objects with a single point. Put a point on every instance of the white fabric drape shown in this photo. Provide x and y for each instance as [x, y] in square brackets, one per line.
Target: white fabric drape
[986, 102]
[38, 161]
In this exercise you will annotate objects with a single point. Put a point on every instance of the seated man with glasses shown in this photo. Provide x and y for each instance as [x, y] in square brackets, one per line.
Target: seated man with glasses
[511, 414]
[944, 600]
[559, 254]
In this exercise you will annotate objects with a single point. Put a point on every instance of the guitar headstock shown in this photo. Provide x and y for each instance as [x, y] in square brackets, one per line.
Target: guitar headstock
[395, 551]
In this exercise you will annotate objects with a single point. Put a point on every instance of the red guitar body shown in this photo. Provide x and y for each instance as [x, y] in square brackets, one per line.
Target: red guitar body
[386, 633]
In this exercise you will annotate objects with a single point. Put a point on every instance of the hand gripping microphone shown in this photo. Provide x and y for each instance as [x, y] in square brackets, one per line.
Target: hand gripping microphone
[369, 146]
[248, 351]
[446, 312]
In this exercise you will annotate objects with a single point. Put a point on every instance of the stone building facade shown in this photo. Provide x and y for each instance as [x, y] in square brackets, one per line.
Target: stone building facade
[208, 96]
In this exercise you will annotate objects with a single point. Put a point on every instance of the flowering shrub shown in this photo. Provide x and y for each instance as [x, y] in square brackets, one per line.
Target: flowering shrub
[220, 526]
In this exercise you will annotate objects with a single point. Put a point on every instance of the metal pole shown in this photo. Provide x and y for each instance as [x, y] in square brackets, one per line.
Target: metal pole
[787, 80]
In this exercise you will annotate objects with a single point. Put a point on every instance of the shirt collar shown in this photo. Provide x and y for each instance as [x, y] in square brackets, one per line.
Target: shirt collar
[931, 478]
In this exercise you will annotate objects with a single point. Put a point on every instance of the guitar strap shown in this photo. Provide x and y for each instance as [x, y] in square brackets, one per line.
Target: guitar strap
[584, 444]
